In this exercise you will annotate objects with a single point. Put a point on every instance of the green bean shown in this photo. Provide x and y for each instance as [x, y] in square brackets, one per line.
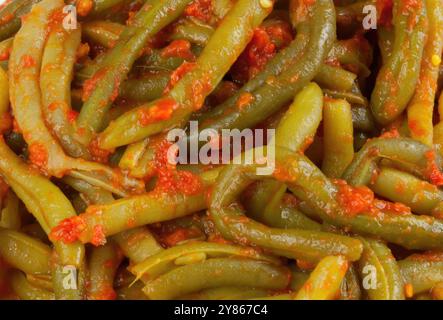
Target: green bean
[27, 291]
[132, 292]
[324, 282]
[385, 42]
[354, 96]
[353, 54]
[4, 93]
[147, 88]
[100, 221]
[104, 33]
[411, 155]
[197, 33]
[281, 215]
[350, 17]
[24, 253]
[10, 217]
[350, 286]
[243, 18]
[119, 61]
[103, 264]
[422, 272]
[165, 260]
[305, 113]
[437, 291]
[226, 293]
[335, 78]
[320, 197]
[398, 77]
[42, 198]
[24, 72]
[338, 137]
[216, 273]
[93, 194]
[422, 197]
[10, 16]
[362, 119]
[68, 283]
[378, 259]
[292, 243]
[276, 92]
[103, 5]
[137, 244]
[421, 107]
[43, 282]
[55, 77]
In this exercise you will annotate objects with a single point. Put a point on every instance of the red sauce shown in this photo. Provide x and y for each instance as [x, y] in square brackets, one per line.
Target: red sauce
[106, 292]
[431, 256]
[280, 33]
[432, 170]
[27, 61]
[84, 7]
[361, 200]
[6, 18]
[257, 53]
[171, 180]
[38, 155]
[354, 200]
[98, 235]
[178, 236]
[180, 49]
[161, 111]
[416, 128]
[90, 84]
[200, 9]
[3, 188]
[179, 73]
[98, 154]
[72, 115]
[384, 8]
[5, 54]
[5, 123]
[82, 51]
[55, 20]
[68, 230]
[244, 100]
[199, 90]
[392, 133]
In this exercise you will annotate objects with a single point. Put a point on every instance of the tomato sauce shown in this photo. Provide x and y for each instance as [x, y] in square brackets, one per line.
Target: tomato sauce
[171, 180]
[178, 74]
[38, 156]
[90, 84]
[68, 230]
[161, 111]
[432, 170]
[200, 9]
[180, 49]
[98, 154]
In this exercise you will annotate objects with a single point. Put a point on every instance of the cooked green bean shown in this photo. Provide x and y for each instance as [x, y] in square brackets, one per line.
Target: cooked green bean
[398, 77]
[324, 282]
[216, 273]
[338, 137]
[379, 266]
[243, 18]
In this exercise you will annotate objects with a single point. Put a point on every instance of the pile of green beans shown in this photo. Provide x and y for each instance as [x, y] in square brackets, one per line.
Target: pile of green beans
[342, 200]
